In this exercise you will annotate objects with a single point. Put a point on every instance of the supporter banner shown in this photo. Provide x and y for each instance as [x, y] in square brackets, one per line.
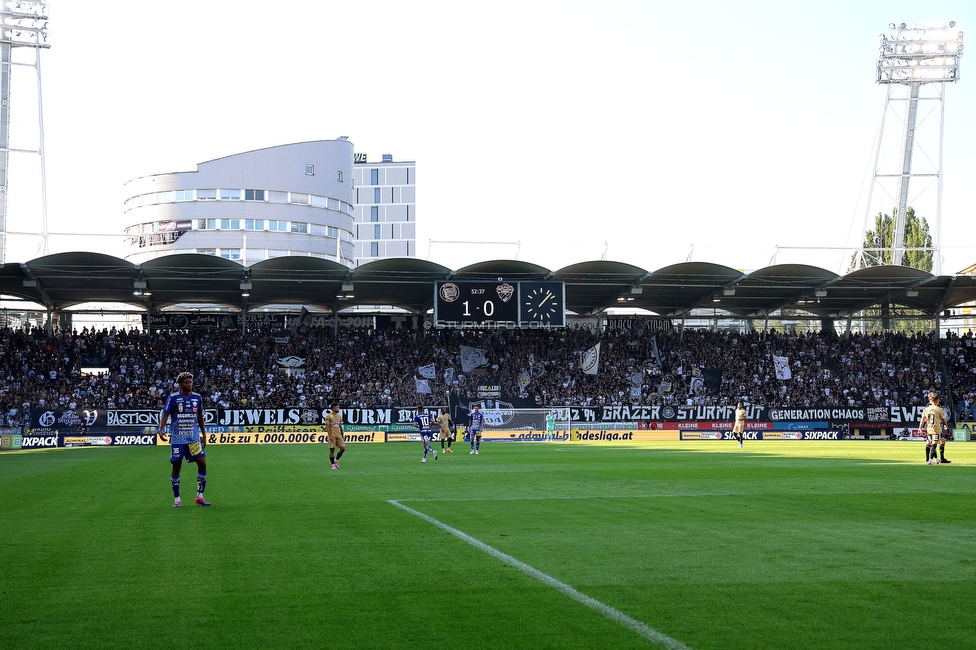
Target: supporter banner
[196, 320]
[67, 418]
[144, 418]
[499, 413]
[190, 320]
[488, 390]
[640, 323]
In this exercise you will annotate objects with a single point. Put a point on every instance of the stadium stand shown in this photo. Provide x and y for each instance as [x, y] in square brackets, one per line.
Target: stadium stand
[380, 368]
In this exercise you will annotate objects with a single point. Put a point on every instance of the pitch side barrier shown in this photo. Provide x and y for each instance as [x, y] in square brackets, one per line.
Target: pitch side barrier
[298, 425]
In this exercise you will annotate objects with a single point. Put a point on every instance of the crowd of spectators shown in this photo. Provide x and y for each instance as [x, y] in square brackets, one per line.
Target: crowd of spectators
[359, 367]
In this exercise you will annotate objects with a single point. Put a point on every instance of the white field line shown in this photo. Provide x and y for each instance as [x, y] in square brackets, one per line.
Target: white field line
[670, 495]
[613, 614]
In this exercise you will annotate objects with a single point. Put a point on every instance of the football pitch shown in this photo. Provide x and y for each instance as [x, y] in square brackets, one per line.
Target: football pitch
[539, 545]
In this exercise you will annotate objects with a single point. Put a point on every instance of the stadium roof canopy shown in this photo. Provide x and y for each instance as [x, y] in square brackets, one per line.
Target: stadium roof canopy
[66, 280]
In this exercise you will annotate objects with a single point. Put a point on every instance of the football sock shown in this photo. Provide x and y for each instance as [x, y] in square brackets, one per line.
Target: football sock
[339, 455]
[477, 445]
[928, 453]
[175, 481]
[425, 450]
[201, 483]
[332, 458]
[942, 451]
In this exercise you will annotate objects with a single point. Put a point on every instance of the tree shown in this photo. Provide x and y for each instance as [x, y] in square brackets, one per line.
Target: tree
[916, 236]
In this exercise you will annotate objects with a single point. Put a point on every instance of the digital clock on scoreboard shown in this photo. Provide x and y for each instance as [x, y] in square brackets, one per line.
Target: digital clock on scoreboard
[476, 302]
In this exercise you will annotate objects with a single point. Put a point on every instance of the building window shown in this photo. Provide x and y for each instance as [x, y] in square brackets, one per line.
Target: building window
[184, 195]
[206, 195]
[253, 195]
[230, 224]
[377, 232]
[334, 204]
[374, 177]
[206, 224]
[298, 226]
[277, 197]
[374, 213]
[230, 253]
[310, 170]
[332, 231]
[299, 198]
[318, 201]
[230, 195]
[374, 249]
[207, 251]
[254, 224]
[377, 197]
[278, 226]
[340, 176]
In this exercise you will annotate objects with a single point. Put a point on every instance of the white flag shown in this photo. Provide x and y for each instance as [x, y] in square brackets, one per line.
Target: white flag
[428, 371]
[448, 375]
[782, 367]
[472, 358]
[697, 385]
[591, 360]
[422, 385]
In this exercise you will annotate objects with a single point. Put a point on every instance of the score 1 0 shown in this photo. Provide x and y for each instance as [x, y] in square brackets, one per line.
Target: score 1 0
[476, 302]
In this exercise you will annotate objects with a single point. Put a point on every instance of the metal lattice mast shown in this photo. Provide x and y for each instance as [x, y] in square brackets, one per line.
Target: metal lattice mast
[919, 61]
[23, 24]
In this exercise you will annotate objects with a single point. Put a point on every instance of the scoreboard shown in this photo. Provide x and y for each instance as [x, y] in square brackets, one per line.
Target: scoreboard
[513, 304]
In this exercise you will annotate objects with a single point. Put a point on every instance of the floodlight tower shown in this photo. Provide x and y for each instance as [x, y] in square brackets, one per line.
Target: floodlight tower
[918, 62]
[23, 24]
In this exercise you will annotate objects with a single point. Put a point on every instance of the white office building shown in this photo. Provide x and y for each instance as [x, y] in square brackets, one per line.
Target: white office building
[386, 209]
[293, 199]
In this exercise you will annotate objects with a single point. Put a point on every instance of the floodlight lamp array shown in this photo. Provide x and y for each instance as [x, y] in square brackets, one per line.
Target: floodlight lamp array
[914, 54]
[23, 23]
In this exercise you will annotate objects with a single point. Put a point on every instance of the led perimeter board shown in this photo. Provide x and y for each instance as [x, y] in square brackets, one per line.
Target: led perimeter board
[511, 304]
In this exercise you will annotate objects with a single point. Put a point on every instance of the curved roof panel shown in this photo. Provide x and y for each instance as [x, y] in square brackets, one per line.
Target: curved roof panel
[62, 280]
[510, 270]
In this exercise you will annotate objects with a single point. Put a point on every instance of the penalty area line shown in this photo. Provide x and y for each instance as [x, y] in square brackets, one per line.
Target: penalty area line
[615, 615]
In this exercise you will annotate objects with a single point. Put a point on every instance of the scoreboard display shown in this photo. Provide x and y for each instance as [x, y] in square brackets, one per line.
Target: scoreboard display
[513, 304]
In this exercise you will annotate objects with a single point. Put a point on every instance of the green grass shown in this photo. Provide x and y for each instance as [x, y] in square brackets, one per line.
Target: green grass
[778, 545]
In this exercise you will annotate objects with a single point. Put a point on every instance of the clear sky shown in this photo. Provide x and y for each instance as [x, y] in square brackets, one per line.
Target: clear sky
[639, 131]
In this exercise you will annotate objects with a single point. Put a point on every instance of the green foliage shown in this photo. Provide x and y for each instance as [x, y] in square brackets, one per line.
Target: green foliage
[777, 545]
[916, 236]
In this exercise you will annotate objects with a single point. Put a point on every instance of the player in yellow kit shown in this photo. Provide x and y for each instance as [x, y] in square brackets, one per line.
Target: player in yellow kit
[739, 428]
[933, 422]
[444, 422]
[337, 438]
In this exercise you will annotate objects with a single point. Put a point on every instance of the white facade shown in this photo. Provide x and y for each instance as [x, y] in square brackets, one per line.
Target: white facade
[293, 199]
[385, 209]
